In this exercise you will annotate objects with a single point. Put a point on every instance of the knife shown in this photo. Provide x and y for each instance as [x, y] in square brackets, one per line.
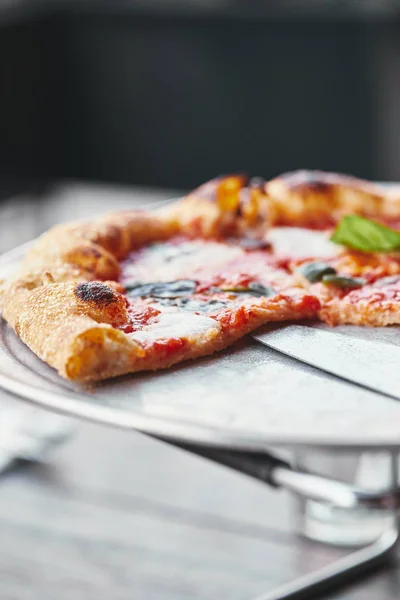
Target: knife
[370, 363]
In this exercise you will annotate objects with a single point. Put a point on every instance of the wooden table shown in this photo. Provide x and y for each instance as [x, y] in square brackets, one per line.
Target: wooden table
[116, 515]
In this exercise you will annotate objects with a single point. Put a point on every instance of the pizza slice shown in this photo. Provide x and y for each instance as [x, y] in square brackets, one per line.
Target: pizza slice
[92, 330]
[92, 315]
[140, 290]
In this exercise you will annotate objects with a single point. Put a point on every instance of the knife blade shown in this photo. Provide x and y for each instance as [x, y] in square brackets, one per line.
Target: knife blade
[372, 364]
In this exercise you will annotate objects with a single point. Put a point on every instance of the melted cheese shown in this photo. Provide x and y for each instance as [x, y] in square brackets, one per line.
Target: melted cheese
[170, 262]
[177, 325]
[295, 242]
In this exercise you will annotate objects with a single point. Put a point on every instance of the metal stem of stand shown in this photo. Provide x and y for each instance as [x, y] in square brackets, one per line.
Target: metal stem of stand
[278, 473]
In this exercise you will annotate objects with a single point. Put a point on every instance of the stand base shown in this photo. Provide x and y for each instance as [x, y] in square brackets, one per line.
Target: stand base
[330, 524]
[344, 527]
[330, 493]
[339, 573]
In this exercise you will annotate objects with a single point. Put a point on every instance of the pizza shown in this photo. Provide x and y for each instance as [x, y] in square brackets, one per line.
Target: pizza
[143, 290]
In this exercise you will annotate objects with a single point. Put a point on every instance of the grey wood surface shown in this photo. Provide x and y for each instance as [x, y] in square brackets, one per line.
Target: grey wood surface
[116, 515]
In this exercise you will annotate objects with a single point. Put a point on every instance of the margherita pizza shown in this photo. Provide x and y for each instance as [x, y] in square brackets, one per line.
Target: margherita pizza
[141, 290]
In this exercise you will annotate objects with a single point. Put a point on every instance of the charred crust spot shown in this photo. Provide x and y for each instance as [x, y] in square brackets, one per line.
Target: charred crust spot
[317, 186]
[91, 252]
[94, 291]
[257, 183]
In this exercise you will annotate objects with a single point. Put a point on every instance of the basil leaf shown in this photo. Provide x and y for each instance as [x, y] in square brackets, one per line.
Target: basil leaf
[162, 289]
[315, 271]
[254, 289]
[343, 282]
[261, 290]
[363, 234]
[250, 244]
[194, 305]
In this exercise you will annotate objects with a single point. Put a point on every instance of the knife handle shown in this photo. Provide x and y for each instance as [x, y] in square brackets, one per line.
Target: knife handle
[258, 465]
[278, 473]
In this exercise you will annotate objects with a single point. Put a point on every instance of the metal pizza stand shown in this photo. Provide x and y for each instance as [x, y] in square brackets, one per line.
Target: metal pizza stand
[232, 408]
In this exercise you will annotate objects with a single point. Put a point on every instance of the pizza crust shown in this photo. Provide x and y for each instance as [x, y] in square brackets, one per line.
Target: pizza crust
[374, 305]
[75, 333]
[236, 204]
[232, 205]
[319, 199]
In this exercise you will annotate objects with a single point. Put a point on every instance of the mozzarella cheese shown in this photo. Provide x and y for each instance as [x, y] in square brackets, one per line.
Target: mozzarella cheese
[295, 242]
[176, 261]
[177, 325]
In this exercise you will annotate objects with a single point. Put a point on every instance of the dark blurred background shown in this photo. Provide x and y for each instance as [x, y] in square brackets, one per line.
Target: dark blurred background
[167, 93]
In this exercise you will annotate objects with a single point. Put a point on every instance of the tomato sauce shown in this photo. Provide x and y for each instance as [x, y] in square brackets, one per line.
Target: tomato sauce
[233, 318]
[169, 345]
[140, 314]
[375, 296]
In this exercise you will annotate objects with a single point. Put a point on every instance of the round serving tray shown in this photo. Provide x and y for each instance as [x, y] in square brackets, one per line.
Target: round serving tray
[247, 397]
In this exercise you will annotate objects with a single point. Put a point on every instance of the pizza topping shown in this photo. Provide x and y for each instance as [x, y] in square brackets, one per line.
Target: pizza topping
[140, 314]
[343, 282]
[363, 234]
[173, 250]
[376, 294]
[177, 259]
[253, 288]
[298, 243]
[177, 325]
[257, 289]
[95, 291]
[169, 345]
[315, 271]
[162, 289]
[250, 244]
[384, 281]
[194, 304]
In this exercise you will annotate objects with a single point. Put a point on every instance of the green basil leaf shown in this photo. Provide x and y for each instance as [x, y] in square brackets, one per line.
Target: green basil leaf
[254, 289]
[254, 244]
[315, 271]
[363, 234]
[194, 305]
[161, 289]
[261, 290]
[343, 282]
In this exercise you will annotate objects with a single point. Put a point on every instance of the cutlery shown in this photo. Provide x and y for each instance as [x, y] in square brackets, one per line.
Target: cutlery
[370, 363]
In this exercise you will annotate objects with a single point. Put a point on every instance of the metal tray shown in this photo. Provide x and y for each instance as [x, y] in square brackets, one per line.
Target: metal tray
[247, 397]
